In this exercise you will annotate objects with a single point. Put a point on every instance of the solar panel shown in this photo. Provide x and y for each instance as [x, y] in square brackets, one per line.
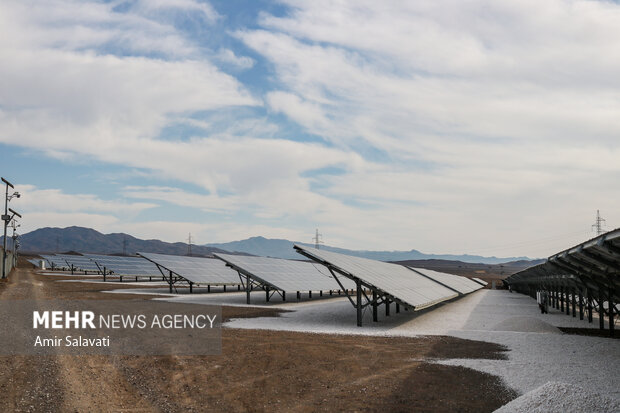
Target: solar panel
[34, 262]
[461, 284]
[396, 280]
[79, 262]
[286, 275]
[205, 271]
[478, 280]
[55, 261]
[125, 265]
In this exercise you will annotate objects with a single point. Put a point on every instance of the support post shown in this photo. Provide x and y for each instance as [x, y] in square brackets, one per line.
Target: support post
[104, 273]
[387, 307]
[397, 308]
[283, 295]
[169, 280]
[359, 302]
[224, 287]
[267, 293]
[248, 289]
[191, 289]
[589, 306]
[209, 288]
[298, 296]
[573, 302]
[374, 306]
[611, 308]
[309, 294]
[601, 311]
[561, 299]
[580, 304]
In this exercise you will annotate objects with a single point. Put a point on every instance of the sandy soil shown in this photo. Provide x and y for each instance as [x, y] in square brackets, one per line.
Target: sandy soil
[257, 370]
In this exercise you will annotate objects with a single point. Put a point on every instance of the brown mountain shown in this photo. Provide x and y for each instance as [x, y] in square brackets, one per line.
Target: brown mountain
[87, 240]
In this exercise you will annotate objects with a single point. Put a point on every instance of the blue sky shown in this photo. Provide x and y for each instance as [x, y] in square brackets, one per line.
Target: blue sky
[475, 127]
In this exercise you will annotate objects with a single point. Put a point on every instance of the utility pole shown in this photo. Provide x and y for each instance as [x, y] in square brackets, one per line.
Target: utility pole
[317, 239]
[7, 218]
[598, 224]
[189, 245]
[15, 245]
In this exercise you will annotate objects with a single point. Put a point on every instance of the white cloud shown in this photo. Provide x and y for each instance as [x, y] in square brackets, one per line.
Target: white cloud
[457, 127]
[205, 9]
[36, 199]
[499, 120]
[228, 56]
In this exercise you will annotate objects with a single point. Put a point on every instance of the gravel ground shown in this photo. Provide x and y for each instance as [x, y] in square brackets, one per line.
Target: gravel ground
[258, 370]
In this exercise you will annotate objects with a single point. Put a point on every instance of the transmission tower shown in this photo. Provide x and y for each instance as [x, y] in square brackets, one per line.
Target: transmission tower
[189, 244]
[317, 239]
[598, 224]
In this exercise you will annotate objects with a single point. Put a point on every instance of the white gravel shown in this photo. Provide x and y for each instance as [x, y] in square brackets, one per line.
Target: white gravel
[554, 397]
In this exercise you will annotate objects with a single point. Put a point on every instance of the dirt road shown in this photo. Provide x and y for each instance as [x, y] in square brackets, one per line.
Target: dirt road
[257, 370]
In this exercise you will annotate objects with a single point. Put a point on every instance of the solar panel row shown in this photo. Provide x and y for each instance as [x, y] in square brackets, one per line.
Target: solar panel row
[286, 275]
[402, 283]
[460, 284]
[55, 261]
[79, 262]
[197, 270]
[124, 265]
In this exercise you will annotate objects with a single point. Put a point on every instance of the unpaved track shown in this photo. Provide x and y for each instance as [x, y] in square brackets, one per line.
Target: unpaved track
[61, 383]
[257, 371]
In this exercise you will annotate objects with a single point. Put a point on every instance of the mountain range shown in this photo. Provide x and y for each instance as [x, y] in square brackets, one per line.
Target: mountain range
[88, 240]
[281, 248]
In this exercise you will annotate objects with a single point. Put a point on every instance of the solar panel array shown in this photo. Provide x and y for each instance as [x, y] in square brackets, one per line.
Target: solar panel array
[55, 261]
[461, 284]
[204, 271]
[396, 280]
[34, 262]
[125, 265]
[286, 275]
[482, 282]
[79, 262]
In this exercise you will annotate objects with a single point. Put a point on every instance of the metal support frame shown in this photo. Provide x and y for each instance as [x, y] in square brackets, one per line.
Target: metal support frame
[378, 296]
[374, 306]
[601, 311]
[612, 309]
[359, 302]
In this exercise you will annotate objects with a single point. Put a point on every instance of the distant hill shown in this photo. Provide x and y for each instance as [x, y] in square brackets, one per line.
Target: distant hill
[52, 240]
[486, 272]
[282, 248]
[88, 240]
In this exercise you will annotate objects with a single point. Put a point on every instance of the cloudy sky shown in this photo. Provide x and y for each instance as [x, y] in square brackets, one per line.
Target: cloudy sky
[477, 126]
